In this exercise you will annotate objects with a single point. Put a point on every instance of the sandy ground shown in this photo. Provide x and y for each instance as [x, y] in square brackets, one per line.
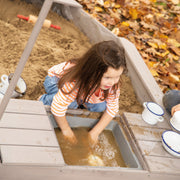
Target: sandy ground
[52, 47]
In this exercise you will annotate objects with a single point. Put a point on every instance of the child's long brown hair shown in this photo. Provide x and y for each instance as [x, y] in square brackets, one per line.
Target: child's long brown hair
[88, 70]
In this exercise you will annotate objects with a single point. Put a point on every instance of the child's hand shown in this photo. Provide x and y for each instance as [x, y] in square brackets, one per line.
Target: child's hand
[93, 139]
[69, 135]
[175, 108]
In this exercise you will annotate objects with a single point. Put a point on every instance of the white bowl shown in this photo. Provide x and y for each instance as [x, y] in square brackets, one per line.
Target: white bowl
[175, 126]
[171, 142]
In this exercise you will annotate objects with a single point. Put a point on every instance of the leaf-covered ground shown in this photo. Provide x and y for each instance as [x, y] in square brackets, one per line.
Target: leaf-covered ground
[152, 25]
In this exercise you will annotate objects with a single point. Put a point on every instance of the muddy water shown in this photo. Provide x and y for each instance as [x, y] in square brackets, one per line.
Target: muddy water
[105, 153]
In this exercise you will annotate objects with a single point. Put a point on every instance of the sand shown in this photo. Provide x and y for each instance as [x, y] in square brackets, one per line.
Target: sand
[52, 47]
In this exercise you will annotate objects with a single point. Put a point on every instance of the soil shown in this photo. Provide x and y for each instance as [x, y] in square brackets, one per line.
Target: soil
[52, 47]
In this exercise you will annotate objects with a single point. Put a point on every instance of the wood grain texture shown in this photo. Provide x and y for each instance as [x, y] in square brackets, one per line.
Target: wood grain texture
[24, 155]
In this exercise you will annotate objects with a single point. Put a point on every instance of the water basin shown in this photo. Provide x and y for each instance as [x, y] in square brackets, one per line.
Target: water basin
[126, 153]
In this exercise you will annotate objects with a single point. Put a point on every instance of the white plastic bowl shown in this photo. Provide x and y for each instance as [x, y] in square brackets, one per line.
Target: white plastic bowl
[175, 126]
[171, 142]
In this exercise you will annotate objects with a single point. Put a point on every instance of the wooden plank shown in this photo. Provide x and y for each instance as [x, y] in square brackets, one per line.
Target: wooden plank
[163, 165]
[148, 134]
[25, 106]
[25, 121]
[133, 145]
[25, 155]
[27, 137]
[135, 119]
[150, 148]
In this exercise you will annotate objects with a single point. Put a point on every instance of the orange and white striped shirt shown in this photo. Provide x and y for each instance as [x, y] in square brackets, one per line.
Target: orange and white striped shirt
[61, 101]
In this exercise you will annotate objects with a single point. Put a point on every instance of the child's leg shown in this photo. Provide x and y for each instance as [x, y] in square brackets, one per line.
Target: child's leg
[51, 88]
[99, 107]
[73, 105]
[170, 99]
[51, 84]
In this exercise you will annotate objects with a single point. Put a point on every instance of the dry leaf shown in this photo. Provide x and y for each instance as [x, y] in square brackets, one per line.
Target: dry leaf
[154, 72]
[173, 78]
[107, 4]
[154, 45]
[133, 12]
[173, 42]
[98, 9]
[175, 2]
[115, 31]
[100, 2]
[162, 54]
[125, 23]
[175, 50]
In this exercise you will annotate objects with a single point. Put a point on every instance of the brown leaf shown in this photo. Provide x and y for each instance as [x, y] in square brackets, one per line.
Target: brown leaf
[175, 50]
[173, 78]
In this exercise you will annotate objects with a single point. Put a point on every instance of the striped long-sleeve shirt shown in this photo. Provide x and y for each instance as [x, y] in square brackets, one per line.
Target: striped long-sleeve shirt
[61, 101]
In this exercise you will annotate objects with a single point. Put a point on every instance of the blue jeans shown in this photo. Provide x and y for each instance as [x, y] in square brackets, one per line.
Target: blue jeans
[170, 99]
[51, 88]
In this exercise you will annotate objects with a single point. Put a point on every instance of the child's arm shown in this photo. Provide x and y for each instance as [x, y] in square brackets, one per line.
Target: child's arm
[100, 126]
[66, 129]
[175, 108]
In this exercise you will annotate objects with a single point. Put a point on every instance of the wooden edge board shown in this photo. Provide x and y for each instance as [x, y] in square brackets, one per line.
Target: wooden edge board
[25, 121]
[28, 137]
[163, 165]
[136, 119]
[153, 148]
[134, 145]
[148, 134]
[25, 155]
[25, 106]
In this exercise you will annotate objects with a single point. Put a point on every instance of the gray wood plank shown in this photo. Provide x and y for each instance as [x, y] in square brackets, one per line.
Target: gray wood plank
[27, 137]
[136, 120]
[25, 106]
[151, 148]
[25, 121]
[163, 165]
[25, 155]
[148, 134]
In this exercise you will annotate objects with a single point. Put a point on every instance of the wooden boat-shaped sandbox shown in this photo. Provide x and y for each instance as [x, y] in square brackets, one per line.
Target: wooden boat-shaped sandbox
[28, 144]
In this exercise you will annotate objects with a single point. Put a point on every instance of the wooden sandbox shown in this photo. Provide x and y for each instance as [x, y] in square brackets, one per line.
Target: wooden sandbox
[28, 144]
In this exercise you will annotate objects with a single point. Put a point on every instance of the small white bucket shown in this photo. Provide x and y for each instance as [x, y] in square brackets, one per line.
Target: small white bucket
[152, 113]
[20, 88]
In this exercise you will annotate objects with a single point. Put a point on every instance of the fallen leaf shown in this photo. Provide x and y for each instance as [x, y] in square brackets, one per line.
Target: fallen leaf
[133, 12]
[98, 9]
[115, 31]
[174, 78]
[154, 45]
[100, 2]
[107, 4]
[125, 23]
[175, 2]
[154, 72]
[175, 50]
[176, 58]
[173, 42]
[162, 54]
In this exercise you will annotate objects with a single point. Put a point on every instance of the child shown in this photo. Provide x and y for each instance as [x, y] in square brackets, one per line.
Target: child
[92, 81]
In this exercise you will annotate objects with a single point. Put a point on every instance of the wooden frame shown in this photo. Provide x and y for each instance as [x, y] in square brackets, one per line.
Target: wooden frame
[48, 162]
